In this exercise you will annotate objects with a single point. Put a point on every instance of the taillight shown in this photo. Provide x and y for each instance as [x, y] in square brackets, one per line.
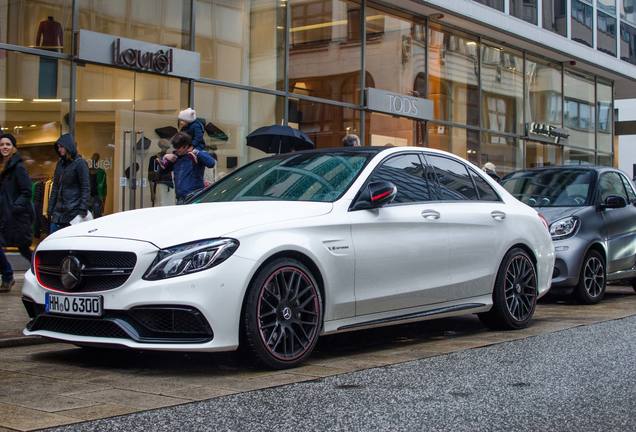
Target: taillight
[545, 221]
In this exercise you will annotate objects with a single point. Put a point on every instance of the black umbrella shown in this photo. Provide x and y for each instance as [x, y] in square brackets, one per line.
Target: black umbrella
[279, 139]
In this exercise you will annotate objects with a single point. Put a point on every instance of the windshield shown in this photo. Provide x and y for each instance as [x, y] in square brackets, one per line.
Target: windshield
[551, 187]
[316, 176]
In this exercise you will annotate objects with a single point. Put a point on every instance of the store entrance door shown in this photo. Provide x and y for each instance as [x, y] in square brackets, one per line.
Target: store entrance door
[157, 102]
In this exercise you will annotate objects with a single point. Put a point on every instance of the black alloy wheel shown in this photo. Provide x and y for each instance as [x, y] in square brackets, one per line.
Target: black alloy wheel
[283, 314]
[514, 294]
[592, 280]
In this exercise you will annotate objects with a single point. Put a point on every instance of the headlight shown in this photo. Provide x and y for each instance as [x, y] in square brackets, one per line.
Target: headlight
[190, 257]
[564, 228]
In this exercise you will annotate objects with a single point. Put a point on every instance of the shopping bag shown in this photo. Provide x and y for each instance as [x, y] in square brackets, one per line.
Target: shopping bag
[78, 219]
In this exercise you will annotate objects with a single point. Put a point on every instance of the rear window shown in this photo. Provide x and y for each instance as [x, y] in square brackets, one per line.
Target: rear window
[559, 187]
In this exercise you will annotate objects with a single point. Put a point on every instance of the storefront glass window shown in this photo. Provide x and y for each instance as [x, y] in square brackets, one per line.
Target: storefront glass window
[604, 159]
[497, 4]
[554, 14]
[628, 43]
[606, 33]
[387, 130]
[325, 50]
[460, 141]
[574, 156]
[37, 24]
[628, 11]
[502, 89]
[504, 151]
[397, 54]
[605, 118]
[608, 6]
[582, 22]
[580, 114]
[242, 41]
[325, 124]
[236, 113]
[163, 22]
[524, 9]
[453, 64]
[543, 155]
[35, 122]
[543, 97]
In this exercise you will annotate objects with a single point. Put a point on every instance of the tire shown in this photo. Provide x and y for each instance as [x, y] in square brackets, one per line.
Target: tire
[282, 316]
[514, 294]
[592, 280]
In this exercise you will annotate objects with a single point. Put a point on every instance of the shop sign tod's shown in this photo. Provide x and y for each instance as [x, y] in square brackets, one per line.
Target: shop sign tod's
[398, 104]
[137, 55]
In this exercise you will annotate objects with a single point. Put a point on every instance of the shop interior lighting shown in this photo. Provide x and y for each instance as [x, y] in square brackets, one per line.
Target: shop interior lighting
[47, 100]
[109, 100]
[471, 43]
[33, 125]
[330, 24]
[11, 99]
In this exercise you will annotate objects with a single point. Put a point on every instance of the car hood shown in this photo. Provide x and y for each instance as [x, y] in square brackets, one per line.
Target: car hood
[169, 226]
[555, 213]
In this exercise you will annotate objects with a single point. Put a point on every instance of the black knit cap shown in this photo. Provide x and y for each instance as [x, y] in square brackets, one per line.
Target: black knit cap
[11, 138]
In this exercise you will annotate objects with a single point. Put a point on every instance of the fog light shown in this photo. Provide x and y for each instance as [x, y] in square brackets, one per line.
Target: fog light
[561, 248]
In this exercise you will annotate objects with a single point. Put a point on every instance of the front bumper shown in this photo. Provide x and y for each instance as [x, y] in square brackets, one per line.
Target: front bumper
[569, 259]
[196, 312]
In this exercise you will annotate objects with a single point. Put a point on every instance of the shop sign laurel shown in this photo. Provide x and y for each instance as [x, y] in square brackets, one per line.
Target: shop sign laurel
[159, 61]
[398, 104]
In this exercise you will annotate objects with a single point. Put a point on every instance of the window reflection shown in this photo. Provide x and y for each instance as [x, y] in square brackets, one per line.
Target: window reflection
[457, 140]
[606, 33]
[453, 77]
[503, 151]
[524, 9]
[605, 118]
[543, 92]
[542, 155]
[582, 22]
[579, 115]
[628, 43]
[325, 124]
[628, 12]
[555, 16]
[497, 4]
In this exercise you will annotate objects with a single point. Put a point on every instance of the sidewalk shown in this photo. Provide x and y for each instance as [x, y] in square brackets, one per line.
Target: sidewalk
[13, 317]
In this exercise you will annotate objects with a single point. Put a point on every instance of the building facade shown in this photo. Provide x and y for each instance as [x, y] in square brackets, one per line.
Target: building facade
[520, 83]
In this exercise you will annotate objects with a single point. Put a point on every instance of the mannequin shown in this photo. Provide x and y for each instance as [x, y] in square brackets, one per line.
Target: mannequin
[97, 181]
[50, 34]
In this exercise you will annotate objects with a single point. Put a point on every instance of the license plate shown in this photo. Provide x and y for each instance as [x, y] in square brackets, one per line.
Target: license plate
[74, 305]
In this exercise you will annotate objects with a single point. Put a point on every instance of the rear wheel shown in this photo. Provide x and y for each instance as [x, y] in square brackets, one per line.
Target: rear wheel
[592, 281]
[515, 293]
[283, 314]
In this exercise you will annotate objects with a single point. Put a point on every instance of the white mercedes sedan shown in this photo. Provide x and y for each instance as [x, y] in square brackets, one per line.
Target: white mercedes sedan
[291, 247]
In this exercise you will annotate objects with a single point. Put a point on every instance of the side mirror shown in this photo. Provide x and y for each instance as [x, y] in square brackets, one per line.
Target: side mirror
[375, 195]
[614, 201]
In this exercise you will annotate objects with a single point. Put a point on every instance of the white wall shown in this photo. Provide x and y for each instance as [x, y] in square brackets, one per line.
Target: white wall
[626, 143]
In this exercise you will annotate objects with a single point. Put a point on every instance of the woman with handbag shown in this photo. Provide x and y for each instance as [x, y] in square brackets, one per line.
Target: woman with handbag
[16, 209]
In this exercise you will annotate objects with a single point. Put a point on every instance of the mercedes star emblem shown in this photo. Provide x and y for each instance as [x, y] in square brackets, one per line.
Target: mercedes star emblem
[71, 273]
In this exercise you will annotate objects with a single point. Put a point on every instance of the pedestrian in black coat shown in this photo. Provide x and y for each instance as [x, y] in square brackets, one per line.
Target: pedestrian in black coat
[16, 209]
[71, 186]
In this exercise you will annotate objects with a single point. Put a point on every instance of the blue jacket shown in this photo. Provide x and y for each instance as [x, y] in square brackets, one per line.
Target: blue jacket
[188, 176]
[195, 130]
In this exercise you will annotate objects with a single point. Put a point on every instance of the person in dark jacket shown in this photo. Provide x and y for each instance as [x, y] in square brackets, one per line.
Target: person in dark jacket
[187, 164]
[71, 185]
[16, 210]
[190, 124]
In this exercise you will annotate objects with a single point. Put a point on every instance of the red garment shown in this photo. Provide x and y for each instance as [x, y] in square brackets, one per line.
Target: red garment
[50, 34]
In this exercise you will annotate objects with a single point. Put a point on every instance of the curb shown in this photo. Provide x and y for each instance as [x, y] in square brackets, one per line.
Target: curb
[23, 341]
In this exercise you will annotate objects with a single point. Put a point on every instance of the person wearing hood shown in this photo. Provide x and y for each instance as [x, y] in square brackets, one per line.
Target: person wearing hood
[190, 124]
[16, 209]
[71, 185]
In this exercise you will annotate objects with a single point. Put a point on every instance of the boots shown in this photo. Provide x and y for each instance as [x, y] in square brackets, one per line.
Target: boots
[7, 285]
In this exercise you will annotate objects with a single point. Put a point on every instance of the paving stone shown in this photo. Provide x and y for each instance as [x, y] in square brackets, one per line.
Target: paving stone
[25, 419]
[131, 399]
[98, 411]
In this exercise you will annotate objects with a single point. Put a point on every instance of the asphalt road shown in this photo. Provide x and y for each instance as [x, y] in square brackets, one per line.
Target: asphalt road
[581, 379]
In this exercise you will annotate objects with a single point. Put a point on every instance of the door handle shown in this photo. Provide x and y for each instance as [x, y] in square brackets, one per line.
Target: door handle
[430, 214]
[498, 215]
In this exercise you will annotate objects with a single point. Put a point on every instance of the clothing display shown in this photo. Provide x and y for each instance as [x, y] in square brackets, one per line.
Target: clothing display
[97, 181]
[50, 34]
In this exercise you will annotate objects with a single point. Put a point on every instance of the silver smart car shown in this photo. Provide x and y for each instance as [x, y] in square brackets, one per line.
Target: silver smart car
[592, 216]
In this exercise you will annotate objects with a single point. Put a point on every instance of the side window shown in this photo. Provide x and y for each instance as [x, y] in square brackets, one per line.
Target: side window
[630, 189]
[454, 181]
[407, 173]
[611, 184]
[486, 192]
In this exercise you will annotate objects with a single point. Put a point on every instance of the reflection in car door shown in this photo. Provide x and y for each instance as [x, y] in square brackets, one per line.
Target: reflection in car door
[401, 250]
[478, 223]
[619, 223]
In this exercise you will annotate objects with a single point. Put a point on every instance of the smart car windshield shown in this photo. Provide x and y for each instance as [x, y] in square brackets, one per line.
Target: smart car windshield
[311, 176]
[559, 187]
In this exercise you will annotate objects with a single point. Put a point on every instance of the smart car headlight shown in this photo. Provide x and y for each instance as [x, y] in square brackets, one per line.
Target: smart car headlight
[564, 228]
[190, 258]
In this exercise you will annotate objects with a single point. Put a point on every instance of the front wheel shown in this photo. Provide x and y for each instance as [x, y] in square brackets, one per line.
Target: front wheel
[283, 314]
[592, 282]
[514, 294]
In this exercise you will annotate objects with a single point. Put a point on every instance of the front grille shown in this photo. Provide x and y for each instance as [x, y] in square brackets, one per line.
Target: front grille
[150, 324]
[100, 270]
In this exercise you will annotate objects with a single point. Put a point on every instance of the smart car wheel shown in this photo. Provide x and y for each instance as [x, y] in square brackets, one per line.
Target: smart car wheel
[283, 314]
[591, 286]
[515, 293]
